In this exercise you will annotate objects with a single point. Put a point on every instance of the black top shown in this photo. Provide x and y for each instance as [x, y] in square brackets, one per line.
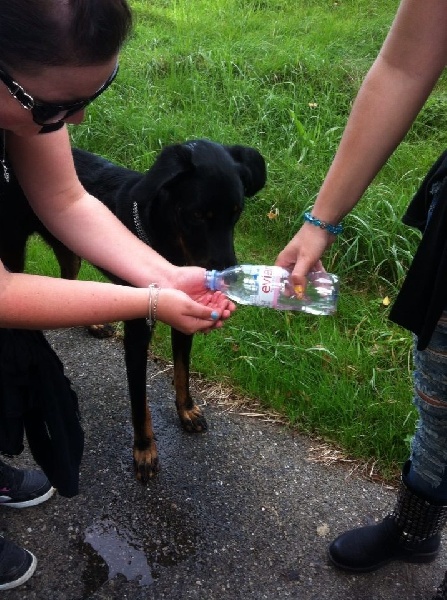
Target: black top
[423, 295]
[36, 397]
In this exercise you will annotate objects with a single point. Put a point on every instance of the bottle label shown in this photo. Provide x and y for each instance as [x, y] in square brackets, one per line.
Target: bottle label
[269, 285]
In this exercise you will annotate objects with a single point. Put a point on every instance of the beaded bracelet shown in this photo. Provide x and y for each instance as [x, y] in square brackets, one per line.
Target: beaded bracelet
[334, 229]
[154, 292]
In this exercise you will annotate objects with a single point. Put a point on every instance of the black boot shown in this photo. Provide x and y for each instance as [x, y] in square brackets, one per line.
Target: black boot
[411, 533]
[441, 594]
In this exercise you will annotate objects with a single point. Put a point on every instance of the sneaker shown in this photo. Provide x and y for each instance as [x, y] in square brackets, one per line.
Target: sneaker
[21, 488]
[16, 565]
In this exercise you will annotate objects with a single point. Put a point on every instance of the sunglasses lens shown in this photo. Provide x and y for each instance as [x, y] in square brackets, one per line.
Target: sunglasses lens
[49, 127]
[44, 113]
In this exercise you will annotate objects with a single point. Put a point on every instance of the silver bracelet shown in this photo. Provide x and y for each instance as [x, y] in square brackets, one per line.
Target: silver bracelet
[154, 292]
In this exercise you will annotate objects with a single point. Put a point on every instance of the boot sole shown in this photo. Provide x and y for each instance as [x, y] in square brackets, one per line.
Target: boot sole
[411, 558]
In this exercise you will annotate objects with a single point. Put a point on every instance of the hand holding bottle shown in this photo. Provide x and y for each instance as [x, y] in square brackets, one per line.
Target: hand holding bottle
[304, 251]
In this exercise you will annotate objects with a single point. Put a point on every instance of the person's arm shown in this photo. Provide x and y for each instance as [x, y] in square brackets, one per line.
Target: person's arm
[44, 167]
[392, 94]
[38, 302]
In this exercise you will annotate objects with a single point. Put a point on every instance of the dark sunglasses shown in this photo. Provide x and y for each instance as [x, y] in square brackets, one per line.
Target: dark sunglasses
[47, 112]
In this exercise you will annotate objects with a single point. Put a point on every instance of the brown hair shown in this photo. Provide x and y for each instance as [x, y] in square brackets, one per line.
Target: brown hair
[42, 33]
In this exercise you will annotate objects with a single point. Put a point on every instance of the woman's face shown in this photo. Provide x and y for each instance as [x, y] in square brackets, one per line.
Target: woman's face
[55, 85]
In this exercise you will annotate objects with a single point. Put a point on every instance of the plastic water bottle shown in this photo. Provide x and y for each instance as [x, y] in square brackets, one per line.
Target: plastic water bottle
[271, 286]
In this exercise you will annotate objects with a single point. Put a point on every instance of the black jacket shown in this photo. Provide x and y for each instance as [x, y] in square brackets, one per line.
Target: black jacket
[36, 398]
[423, 295]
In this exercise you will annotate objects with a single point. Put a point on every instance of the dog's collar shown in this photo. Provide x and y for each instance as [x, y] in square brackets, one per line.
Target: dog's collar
[138, 226]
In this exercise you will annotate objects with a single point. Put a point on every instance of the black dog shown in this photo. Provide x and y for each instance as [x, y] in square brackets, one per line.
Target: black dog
[185, 207]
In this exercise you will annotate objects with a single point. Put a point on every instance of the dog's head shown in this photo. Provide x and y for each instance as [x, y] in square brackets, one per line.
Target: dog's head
[192, 197]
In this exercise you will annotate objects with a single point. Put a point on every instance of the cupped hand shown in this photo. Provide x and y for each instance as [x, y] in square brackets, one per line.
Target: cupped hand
[205, 312]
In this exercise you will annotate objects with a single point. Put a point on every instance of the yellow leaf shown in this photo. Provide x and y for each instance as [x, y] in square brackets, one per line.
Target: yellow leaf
[386, 301]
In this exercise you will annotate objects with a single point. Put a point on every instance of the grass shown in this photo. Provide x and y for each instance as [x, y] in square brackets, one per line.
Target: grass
[281, 75]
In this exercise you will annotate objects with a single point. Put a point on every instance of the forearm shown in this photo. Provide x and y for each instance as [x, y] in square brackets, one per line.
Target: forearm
[44, 167]
[36, 302]
[119, 251]
[399, 82]
[378, 122]
[393, 92]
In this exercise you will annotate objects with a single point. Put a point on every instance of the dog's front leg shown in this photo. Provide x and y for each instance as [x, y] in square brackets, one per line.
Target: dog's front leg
[190, 414]
[69, 262]
[136, 341]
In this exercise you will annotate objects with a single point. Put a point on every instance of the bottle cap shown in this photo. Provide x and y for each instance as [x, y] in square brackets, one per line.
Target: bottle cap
[210, 280]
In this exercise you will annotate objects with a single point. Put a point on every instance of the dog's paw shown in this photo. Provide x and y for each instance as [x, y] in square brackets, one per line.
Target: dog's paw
[101, 332]
[193, 420]
[146, 464]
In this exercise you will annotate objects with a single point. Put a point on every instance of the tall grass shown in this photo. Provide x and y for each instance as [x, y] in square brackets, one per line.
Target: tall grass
[281, 75]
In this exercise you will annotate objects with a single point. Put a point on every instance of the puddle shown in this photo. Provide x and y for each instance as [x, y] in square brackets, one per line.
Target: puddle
[123, 548]
[119, 551]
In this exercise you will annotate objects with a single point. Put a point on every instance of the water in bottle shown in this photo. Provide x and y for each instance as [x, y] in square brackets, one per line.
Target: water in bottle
[261, 285]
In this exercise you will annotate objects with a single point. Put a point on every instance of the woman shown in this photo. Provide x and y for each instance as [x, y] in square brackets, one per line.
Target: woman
[57, 56]
[409, 64]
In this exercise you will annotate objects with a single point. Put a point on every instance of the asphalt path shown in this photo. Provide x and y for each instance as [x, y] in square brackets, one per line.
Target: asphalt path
[241, 512]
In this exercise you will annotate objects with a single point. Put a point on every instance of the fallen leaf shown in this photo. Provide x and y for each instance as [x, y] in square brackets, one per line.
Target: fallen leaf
[273, 213]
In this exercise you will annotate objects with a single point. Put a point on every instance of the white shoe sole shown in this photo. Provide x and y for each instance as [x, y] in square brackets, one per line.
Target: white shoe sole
[25, 576]
[26, 503]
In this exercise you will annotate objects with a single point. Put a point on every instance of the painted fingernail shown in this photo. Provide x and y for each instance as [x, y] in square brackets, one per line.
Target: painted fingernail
[299, 291]
[214, 315]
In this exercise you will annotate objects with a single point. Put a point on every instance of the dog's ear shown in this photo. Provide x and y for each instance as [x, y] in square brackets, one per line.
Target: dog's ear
[172, 161]
[251, 167]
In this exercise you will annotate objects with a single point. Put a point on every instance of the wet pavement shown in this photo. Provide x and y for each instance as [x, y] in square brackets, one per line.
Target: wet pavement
[241, 512]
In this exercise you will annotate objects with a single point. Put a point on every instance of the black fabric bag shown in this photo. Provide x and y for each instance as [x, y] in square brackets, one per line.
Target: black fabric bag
[423, 295]
[37, 399]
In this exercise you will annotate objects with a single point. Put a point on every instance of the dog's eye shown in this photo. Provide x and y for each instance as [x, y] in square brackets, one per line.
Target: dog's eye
[200, 215]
